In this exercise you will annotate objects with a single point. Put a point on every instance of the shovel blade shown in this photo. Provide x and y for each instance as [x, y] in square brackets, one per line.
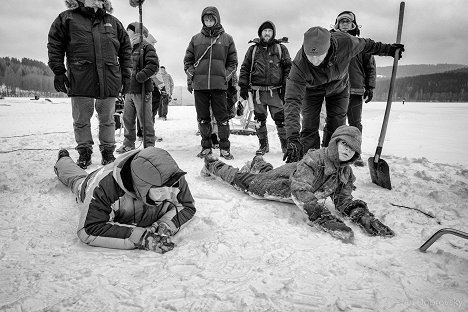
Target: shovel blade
[380, 173]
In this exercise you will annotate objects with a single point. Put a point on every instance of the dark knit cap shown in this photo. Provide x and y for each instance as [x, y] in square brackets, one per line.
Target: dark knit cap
[316, 41]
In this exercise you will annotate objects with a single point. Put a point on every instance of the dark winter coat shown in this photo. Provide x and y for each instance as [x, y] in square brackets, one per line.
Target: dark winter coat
[116, 212]
[362, 73]
[268, 69]
[216, 67]
[150, 67]
[97, 49]
[329, 78]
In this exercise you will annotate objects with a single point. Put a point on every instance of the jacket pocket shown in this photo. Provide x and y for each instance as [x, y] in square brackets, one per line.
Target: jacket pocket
[82, 78]
[113, 79]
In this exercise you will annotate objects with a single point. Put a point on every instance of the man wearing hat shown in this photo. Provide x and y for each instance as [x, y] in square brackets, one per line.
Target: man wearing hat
[263, 73]
[320, 72]
[362, 74]
[97, 51]
[139, 201]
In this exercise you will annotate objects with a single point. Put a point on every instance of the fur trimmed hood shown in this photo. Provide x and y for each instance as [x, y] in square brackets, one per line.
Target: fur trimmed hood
[73, 4]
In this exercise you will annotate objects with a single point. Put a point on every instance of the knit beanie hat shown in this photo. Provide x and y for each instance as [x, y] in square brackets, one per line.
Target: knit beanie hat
[265, 25]
[351, 135]
[316, 41]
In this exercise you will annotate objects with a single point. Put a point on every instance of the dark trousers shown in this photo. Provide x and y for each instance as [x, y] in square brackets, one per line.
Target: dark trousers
[162, 111]
[355, 111]
[216, 99]
[336, 107]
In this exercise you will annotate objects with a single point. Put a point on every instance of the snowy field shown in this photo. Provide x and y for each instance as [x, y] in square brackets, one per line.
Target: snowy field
[239, 253]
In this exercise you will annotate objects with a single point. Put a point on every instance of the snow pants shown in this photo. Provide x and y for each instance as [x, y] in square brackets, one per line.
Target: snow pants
[71, 175]
[133, 108]
[336, 107]
[355, 111]
[82, 111]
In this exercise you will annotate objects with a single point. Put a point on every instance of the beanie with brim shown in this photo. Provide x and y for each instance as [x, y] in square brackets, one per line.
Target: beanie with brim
[316, 41]
[153, 167]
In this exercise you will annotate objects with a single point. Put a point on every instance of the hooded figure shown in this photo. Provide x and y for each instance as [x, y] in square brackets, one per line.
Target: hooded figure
[118, 201]
[210, 61]
[322, 173]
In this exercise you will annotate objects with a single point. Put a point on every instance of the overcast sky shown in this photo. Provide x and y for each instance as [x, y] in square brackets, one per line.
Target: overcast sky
[434, 31]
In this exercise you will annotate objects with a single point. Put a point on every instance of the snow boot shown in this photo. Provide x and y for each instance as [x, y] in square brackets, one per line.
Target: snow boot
[63, 153]
[205, 151]
[107, 157]
[226, 154]
[215, 167]
[259, 165]
[262, 135]
[334, 226]
[85, 157]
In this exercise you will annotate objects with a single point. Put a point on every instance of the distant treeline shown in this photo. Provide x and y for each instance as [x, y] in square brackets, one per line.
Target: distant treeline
[26, 78]
[450, 86]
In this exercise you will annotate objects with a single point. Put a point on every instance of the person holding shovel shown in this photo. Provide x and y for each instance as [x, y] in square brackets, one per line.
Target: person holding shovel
[320, 174]
[320, 72]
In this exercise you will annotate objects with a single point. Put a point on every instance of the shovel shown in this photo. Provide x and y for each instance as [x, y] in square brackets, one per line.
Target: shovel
[379, 170]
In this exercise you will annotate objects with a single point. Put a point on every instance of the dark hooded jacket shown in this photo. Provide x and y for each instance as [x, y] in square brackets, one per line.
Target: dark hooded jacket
[116, 209]
[213, 69]
[97, 49]
[150, 67]
[268, 68]
[329, 78]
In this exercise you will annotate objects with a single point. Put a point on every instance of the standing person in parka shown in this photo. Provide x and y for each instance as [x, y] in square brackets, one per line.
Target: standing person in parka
[362, 74]
[209, 62]
[98, 66]
[263, 73]
[139, 201]
[320, 72]
[320, 174]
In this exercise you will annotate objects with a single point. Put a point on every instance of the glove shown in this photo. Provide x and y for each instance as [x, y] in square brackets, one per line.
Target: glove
[369, 94]
[394, 47]
[125, 86]
[359, 214]
[244, 93]
[140, 77]
[240, 109]
[155, 242]
[61, 83]
[189, 88]
[294, 151]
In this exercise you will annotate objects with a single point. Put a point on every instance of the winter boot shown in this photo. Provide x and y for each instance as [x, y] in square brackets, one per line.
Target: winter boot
[262, 135]
[63, 153]
[215, 167]
[259, 165]
[205, 151]
[334, 226]
[85, 157]
[107, 157]
[226, 154]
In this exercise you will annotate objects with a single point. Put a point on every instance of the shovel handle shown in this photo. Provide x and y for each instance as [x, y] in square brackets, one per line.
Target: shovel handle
[383, 131]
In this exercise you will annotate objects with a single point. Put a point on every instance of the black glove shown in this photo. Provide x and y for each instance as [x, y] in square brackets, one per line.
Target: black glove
[189, 88]
[61, 83]
[240, 109]
[125, 86]
[294, 152]
[369, 94]
[140, 77]
[244, 93]
[358, 213]
[394, 47]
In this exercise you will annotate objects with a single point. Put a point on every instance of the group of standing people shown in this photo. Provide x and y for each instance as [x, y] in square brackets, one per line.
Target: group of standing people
[142, 199]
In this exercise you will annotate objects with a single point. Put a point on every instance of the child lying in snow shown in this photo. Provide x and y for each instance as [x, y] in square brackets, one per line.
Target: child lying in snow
[321, 173]
[139, 201]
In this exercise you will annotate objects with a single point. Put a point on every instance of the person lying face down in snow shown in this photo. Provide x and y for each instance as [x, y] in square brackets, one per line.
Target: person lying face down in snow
[321, 173]
[139, 201]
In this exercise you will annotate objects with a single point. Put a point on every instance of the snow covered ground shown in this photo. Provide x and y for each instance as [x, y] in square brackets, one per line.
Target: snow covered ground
[239, 253]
